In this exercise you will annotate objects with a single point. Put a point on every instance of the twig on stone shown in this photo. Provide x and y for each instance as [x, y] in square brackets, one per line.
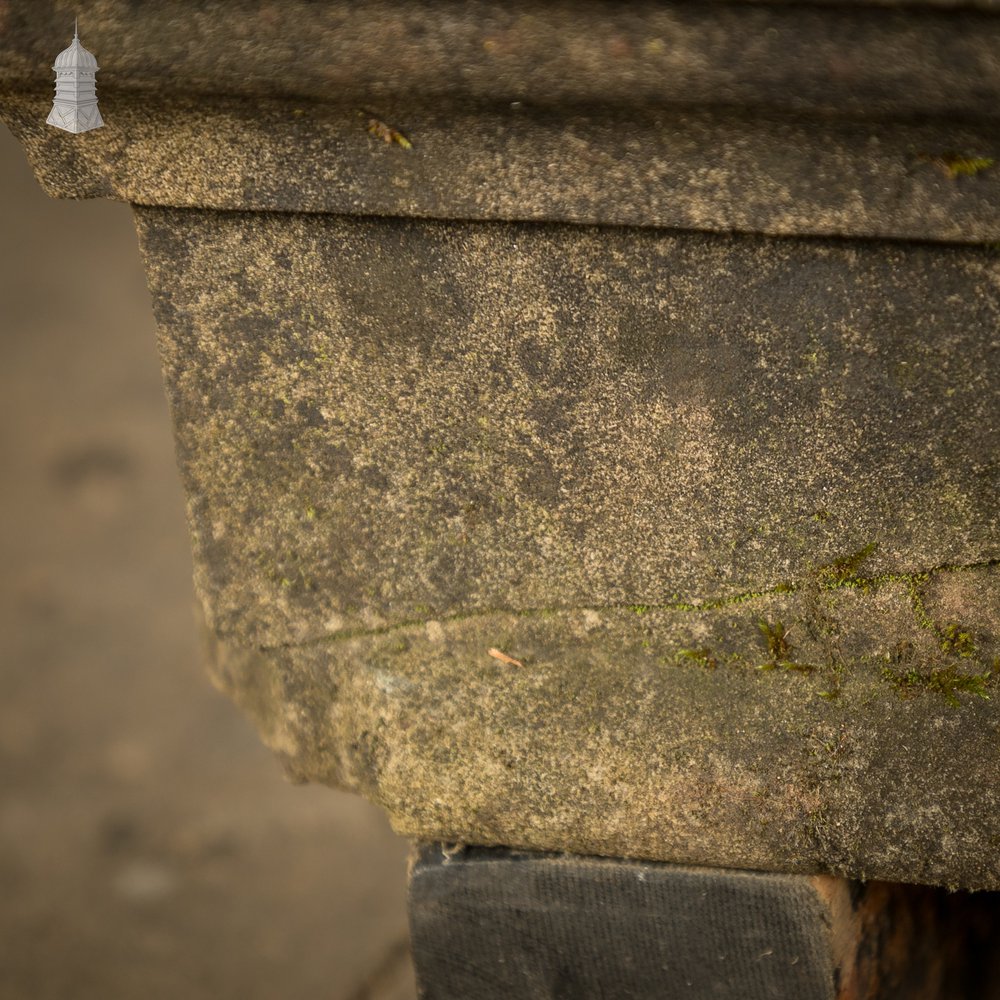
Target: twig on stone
[504, 658]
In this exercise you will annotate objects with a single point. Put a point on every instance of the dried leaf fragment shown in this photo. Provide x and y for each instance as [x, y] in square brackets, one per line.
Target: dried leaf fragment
[956, 165]
[387, 133]
[504, 658]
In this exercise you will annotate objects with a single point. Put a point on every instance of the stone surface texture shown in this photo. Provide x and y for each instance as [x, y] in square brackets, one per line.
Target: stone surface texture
[724, 504]
[859, 57]
[740, 532]
[846, 119]
[716, 169]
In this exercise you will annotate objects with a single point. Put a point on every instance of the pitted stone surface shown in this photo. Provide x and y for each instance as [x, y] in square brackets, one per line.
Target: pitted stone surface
[614, 540]
[847, 119]
[380, 421]
[731, 502]
[708, 169]
[614, 739]
[860, 57]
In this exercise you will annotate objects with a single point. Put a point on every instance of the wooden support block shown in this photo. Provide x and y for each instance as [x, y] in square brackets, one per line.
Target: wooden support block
[492, 923]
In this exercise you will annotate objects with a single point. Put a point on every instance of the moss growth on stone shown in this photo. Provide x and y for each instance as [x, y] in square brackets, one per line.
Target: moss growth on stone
[775, 637]
[703, 656]
[948, 681]
[843, 571]
[956, 641]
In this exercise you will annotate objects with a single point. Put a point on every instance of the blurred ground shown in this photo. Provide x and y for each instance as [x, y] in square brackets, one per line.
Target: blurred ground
[149, 845]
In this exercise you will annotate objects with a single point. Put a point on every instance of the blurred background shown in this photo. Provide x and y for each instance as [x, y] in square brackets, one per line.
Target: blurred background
[149, 844]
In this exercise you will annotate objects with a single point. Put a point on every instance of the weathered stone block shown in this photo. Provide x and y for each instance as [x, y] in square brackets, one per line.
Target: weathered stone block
[725, 505]
[730, 502]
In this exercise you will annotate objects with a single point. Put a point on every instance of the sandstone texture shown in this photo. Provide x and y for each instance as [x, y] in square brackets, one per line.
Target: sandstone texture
[828, 119]
[707, 169]
[551, 482]
[730, 502]
[861, 58]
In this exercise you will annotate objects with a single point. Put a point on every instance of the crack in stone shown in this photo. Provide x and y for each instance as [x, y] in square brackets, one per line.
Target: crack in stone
[913, 578]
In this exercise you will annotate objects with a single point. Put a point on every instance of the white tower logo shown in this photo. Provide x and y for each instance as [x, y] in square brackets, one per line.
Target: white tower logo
[75, 106]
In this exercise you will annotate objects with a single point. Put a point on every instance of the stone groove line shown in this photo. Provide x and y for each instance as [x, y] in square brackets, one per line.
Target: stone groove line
[913, 578]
